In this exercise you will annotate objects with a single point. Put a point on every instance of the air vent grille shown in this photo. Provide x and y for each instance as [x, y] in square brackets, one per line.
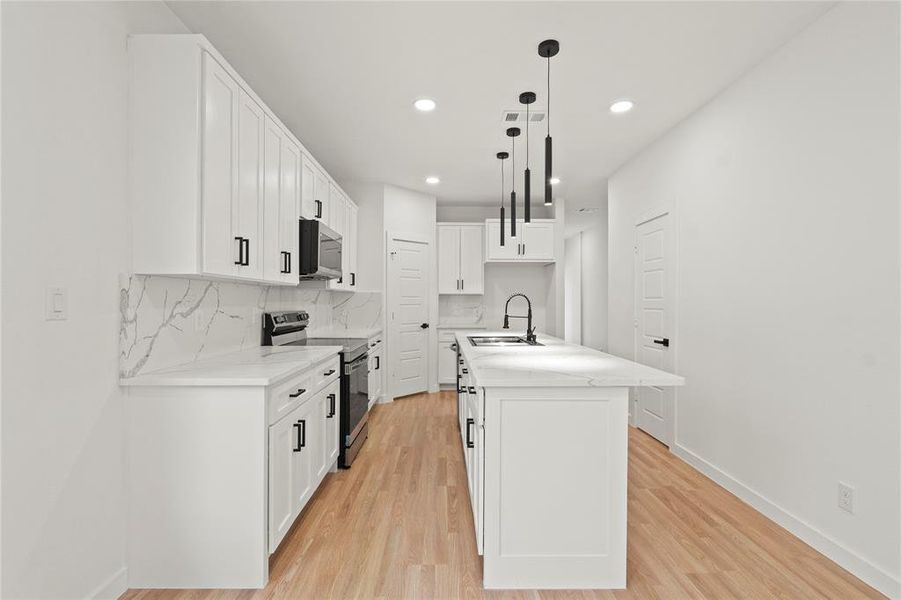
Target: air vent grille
[519, 116]
[587, 210]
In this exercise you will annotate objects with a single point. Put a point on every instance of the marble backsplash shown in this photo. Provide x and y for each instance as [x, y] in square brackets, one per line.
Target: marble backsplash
[167, 321]
[469, 310]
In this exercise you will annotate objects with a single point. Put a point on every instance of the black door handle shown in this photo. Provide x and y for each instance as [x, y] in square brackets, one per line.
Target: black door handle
[469, 442]
[664, 342]
[424, 326]
[297, 393]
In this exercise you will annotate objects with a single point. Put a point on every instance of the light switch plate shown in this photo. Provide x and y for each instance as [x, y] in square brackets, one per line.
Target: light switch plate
[56, 304]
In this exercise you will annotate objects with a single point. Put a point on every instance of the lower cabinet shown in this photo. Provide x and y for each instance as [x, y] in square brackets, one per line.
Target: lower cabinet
[376, 368]
[470, 406]
[303, 445]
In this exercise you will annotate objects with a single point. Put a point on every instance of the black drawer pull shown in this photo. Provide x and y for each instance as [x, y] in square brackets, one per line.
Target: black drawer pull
[318, 208]
[378, 363]
[240, 261]
[465, 371]
[246, 244]
[469, 442]
[664, 342]
[472, 390]
[331, 406]
[329, 372]
[297, 393]
[301, 427]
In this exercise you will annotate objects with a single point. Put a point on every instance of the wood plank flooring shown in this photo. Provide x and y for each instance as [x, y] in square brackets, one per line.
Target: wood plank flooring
[398, 525]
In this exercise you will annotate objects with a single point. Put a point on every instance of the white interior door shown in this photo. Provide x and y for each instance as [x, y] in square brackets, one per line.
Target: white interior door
[408, 285]
[654, 279]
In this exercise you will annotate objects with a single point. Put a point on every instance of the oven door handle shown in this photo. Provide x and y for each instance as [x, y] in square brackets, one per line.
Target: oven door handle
[357, 364]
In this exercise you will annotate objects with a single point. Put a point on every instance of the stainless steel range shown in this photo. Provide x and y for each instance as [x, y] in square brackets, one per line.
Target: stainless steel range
[288, 328]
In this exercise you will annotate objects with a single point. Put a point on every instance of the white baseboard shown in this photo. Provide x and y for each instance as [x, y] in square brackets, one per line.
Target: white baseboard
[822, 543]
[114, 586]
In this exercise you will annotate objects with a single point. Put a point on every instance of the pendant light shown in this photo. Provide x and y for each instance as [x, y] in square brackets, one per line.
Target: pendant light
[527, 98]
[547, 49]
[502, 156]
[512, 132]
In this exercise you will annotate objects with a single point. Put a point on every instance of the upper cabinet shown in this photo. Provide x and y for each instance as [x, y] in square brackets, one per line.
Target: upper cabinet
[216, 181]
[534, 241]
[344, 222]
[460, 259]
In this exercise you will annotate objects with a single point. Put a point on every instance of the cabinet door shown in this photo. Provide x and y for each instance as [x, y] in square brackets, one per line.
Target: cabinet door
[448, 259]
[332, 418]
[494, 250]
[336, 210]
[289, 201]
[321, 195]
[350, 245]
[274, 261]
[250, 184]
[538, 240]
[220, 102]
[471, 261]
[282, 441]
[319, 440]
[309, 209]
[303, 422]
[376, 362]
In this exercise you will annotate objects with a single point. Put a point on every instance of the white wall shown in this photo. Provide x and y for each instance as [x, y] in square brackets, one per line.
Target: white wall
[474, 213]
[785, 190]
[412, 212]
[594, 282]
[64, 224]
[572, 290]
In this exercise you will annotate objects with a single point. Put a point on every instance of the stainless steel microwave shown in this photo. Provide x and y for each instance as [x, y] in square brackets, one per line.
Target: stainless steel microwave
[320, 251]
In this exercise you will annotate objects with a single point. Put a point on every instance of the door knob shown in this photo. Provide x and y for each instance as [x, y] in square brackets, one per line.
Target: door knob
[664, 342]
[424, 326]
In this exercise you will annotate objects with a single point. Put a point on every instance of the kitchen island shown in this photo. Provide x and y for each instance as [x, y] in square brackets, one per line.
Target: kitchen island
[545, 430]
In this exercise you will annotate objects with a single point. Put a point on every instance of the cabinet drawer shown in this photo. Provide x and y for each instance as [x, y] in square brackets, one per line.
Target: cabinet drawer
[287, 396]
[326, 372]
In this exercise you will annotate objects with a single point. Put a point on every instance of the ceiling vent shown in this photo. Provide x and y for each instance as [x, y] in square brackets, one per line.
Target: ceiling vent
[587, 210]
[511, 117]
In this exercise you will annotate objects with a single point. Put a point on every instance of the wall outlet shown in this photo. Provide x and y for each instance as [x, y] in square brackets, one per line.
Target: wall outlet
[56, 304]
[846, 497]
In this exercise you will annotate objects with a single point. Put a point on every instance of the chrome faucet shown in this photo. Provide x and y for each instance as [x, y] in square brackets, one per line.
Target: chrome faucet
[530, 331]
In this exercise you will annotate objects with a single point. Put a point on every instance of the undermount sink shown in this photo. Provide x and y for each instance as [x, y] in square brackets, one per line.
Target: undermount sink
[500, 340]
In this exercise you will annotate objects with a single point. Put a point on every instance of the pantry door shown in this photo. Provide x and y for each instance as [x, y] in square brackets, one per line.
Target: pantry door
[408, 314]
[654, 319]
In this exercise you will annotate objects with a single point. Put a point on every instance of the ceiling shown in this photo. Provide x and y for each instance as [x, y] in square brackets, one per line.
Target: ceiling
[343, 76]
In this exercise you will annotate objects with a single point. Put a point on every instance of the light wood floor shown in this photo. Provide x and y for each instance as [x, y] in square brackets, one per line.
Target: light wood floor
[398, 525]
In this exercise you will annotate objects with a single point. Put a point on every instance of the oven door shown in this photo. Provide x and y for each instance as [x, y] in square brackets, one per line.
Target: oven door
[357, 398]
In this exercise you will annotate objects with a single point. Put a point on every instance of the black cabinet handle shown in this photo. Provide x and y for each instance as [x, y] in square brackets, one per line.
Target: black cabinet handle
[472, 390]
[469, 442]
[240, 240]
[301, 426]
[465, 371]
[331, 406]
[290, 268]
[378, 363]
[353, 279]
[664, 342]
[424, 326]
[330, 372]
[297, 393]
[318, 208]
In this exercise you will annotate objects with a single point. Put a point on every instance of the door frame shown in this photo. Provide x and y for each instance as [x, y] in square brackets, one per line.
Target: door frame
[667, 208]
[391, 333]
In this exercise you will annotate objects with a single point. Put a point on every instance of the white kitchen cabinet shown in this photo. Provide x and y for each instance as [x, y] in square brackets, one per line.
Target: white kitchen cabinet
[376, 371]
[351, 248]
[203, 155]
[470, 405]
[534, 241]
[281, 178]
[447, 358]
[337, 210]
[332, 407]
[460, 260]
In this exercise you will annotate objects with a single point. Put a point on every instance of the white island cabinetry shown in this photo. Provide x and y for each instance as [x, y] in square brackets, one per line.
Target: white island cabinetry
[223, 455]
[544, 431]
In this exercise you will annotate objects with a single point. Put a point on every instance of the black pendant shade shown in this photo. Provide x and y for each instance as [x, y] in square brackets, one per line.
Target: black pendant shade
[547, 49]
[527, 98]
[502, 156]
[512, 132]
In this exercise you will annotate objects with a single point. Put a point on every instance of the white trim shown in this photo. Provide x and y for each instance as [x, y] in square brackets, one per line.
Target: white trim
[822, 543]
[114, 586]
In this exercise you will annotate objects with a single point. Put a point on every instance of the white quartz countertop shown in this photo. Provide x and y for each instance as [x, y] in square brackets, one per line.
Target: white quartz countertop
[339, 332]
[262, 366]
[452, 325]
[556, 364]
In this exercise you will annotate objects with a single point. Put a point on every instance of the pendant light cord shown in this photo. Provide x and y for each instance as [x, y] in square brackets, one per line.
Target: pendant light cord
[527, 134]
[513, 160]
[502, 183]
[549, 95]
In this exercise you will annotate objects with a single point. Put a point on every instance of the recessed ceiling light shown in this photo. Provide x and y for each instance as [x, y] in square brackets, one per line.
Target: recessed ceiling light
[432, 180]
[555, 180]
[621, 106]
[425, 104]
